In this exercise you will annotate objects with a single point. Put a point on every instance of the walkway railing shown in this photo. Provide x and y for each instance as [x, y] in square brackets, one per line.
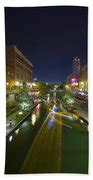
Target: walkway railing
[22, 121]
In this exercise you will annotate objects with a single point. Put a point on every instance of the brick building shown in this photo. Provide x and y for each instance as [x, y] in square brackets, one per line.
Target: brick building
[18, 67]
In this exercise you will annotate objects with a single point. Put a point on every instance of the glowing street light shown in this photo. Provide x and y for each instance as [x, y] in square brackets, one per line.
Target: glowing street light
[82, 83]
[86, 83]
[28, 84]
[20, 113]
[66, 86]
[21, 84]
[81, 89]
[35, 79]
[17, 83]
[31, 84]
[76, 84]
[34, 84]
[24, 105]
[7, 83]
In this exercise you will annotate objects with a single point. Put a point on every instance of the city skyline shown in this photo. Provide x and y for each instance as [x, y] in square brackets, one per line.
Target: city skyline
[50, 37]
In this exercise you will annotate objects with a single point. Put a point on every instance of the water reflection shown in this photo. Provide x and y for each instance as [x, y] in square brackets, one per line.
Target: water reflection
[81, 121]
[33, 119]
[38, 107]
[17, 131]
[35, 115]
[51, 123]
[54, 108]
[25, 124]
[10, 138]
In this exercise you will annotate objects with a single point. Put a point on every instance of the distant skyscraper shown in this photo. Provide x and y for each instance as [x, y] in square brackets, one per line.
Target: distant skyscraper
[76, 65]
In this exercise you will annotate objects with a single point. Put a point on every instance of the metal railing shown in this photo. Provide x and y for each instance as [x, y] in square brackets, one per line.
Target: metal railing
[22, 121]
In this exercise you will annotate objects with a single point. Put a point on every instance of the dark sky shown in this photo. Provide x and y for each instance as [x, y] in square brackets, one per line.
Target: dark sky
[50, 37]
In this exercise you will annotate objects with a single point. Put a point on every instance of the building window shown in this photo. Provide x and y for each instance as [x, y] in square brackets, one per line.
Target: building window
[8, 73]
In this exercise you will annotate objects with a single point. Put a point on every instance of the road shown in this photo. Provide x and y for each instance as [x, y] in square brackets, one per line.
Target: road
[59, 144]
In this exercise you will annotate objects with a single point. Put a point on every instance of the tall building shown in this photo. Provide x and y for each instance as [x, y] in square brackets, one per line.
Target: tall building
[83, 83]
[76, 65]
[79, 80]
[18, 67]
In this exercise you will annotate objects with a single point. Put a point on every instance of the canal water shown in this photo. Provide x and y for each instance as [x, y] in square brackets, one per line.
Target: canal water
[19, 142]
[74, 141]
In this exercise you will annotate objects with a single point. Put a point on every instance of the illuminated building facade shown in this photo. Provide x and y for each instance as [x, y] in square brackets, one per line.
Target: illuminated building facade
[79, 80]
[83, 79]
[18, 67]
[72, 81]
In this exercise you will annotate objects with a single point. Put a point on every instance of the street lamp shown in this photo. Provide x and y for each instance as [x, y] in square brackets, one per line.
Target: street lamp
[76, 84]
[82, 83]
[20, 113]
[17, 83]
[21, 84]
[35, 79]
[7, 83]
[34, 84]
[66, 86]
[28, 84]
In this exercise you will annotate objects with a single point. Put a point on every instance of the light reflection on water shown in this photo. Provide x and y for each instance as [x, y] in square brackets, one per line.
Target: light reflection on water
[25, 124]
[38, 107]
[17, 131]
[35, 115]
[33, 119]
[51, 123]
[10, 138]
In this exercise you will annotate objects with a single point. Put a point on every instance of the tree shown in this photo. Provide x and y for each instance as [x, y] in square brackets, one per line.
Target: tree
[43, 88]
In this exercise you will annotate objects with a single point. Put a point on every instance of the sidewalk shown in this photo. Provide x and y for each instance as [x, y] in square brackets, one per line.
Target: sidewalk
[11, 117]
[8, 127]
[81, 109]
[82, 113]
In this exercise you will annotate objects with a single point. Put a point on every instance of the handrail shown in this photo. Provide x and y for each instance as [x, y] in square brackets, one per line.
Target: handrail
[21, 122]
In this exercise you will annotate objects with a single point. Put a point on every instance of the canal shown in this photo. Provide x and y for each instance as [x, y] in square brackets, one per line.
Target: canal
[62, 142]
[19, 142]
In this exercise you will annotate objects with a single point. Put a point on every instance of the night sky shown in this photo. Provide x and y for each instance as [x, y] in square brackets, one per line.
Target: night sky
[50, 37]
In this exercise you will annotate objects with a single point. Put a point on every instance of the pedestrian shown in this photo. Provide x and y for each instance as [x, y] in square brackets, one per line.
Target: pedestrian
[10, 123]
